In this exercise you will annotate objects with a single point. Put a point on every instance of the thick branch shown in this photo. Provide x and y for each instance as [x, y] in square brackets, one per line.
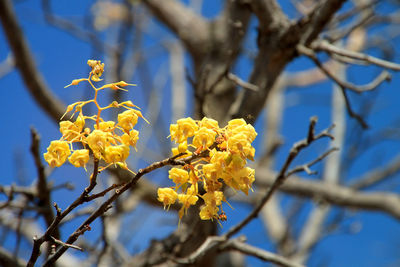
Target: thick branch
[7, 259]
[25, 63]
[318, 19]
[375, 176]
[388, 203]
[213, 243]
[182, 21]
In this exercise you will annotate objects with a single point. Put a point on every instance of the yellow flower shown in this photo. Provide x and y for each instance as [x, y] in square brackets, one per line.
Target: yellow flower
[57, 153]
[97, 69]
[208, 212]
[192, 190]
[236, 162]
[173, 129]
[183, 129]
[131, 138]
[98, 141]
[79, 158]
[211, 171]
[70, 130]
[214, 198]
[167, 195]
[238, 143]
[244, 178]
[187, 126]
[127, 119]
[211, 185]
[105, 126]
[209, 123]
[248, 130]
[187, 200]
[178, 176]
[114, 154]
[232, 124]
[204, 138]
[219, 158]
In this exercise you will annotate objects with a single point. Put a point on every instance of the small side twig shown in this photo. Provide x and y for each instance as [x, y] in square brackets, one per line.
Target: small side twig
[106, 205]
[345, 85]
[102, 193]
[59, 242]
[232, 77]
[324, 45]
[306, 167]
[282, 175]
[37, 242]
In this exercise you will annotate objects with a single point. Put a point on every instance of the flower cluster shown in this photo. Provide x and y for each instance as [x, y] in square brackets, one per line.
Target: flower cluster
[108, 140]
[219, 157]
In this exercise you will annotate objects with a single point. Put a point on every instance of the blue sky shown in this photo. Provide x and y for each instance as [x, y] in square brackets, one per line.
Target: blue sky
[61, 57]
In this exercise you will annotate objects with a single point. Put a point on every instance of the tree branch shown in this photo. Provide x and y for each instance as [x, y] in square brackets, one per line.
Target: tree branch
[182, 21]
[106, 205]
[7, 259]
[25, 63]
[316, 21]
[262, 254]
[282, 175]
[388, 203]
[323, 45]
[375, 176]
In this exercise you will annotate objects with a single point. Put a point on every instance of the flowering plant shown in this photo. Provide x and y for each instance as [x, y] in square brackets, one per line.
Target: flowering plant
[218, 156]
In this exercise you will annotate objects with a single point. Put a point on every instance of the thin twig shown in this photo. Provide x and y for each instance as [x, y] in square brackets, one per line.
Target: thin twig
[59, 242]
[383, 76]
[282, 175]
[232, 77]
[106, 205]
[37, 242]
[323, 45]
[343, 85]
[305, 167]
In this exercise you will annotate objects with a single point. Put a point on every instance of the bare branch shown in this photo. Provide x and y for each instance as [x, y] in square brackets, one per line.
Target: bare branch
[232, 77]
[339, 34]
[268, 13]
[262, 254]
[7, 65]
[25, 63]
[106, 205]
[384, 76]
[74, 30]
[318, 19]
[59, 242]
[388, 203]
[60, 216]
[323, 45]
[210, 244]
[375, 176]
[343, 85]
[306, 167]
[42, 187]
[182, 21]
[282, 175]
[213, 243]
[7, 259]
